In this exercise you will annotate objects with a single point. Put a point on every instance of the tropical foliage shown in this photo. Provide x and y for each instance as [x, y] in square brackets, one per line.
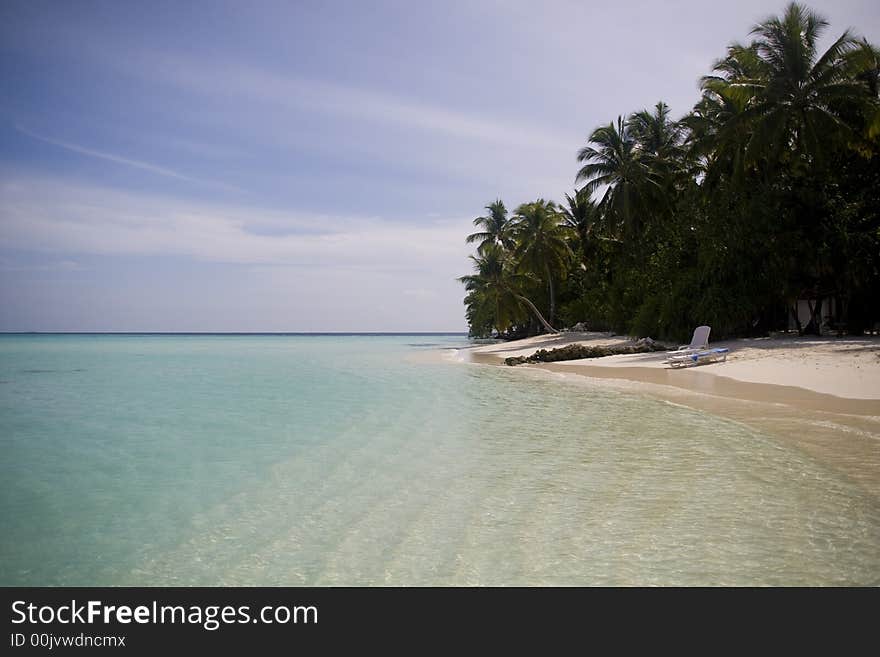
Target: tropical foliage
[766, 193]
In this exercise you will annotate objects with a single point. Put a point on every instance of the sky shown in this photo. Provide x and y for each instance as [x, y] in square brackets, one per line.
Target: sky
[308, 166]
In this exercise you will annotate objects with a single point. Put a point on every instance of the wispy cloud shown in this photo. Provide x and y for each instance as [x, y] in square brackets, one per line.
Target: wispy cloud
[290, 119]
[312, 273]
[10, 265]
[117, 159]
[50, 215]
[239, 81]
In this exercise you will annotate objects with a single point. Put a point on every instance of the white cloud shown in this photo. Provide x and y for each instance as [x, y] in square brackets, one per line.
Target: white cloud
[118, 159]
[318, 273]
[404, 135]
[10, 265]
[54, 216]
[238, 81]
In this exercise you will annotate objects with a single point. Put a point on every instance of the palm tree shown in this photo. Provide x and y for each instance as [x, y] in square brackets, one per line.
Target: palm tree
[656, 134]
[539, 243]
[717, 134]
[494, 228]
[660, 140]
[494, 291]
[617, 164]
[794, 95]
[581, 216]
[866, 61]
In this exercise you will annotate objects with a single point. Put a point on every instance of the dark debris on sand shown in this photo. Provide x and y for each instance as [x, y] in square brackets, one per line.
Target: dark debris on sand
[578, 351]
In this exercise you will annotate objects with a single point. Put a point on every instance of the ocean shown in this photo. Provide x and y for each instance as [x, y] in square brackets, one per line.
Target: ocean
[385, 460]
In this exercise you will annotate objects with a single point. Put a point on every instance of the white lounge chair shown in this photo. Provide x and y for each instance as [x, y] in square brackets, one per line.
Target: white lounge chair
[699, 342]
[687, 359]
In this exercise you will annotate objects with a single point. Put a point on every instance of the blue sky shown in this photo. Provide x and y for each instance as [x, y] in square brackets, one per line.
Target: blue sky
[307, 166]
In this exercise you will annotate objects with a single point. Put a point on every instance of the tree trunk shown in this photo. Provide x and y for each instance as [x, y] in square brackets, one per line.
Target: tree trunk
[814, 327]
[550, 287]
[797, 320]
[540, 317]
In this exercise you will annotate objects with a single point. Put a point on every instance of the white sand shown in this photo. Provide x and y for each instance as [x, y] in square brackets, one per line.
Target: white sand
[843, 367]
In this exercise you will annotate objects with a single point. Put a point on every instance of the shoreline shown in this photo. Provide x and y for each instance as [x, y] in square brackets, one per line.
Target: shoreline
[839, 372]
[708, 383]
[842, 431]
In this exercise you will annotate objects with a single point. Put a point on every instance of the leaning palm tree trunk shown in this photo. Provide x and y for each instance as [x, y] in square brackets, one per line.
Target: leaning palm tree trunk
[538, 314]
[550, 287]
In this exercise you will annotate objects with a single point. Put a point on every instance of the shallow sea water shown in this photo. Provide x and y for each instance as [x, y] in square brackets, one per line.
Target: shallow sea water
[361, 460]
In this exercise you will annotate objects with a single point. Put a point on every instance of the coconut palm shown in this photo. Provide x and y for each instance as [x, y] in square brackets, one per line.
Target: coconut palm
[661, 141]
[617, 164]
[494, 291]
[540, 248]
[581, 216]
[865, 61]
[717, 132]
[494, 228]
[796, 95]
[656, 133]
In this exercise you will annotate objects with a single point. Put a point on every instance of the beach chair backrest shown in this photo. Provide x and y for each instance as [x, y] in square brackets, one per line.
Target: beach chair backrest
[701, 337]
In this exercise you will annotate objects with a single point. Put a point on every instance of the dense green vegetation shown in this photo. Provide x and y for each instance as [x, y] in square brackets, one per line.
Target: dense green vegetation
[767, 192]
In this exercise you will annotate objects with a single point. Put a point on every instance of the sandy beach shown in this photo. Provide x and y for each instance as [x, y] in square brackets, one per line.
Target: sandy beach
[822, 394]
[847, 368]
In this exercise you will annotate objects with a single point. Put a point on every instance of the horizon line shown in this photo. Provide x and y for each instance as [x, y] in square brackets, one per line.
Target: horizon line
[233, 333]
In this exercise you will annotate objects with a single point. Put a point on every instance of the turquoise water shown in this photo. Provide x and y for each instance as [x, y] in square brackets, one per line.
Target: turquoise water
[312, 460]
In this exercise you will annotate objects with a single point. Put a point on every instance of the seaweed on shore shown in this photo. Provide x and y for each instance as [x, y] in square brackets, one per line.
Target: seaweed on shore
[578, 351]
